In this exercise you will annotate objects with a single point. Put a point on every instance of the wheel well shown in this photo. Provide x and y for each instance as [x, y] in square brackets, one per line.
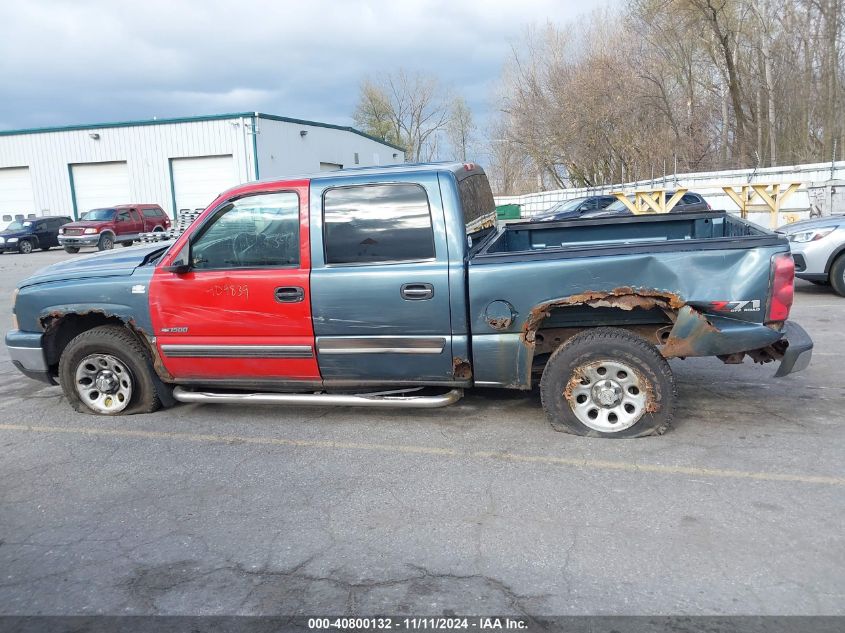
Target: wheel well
[59, 331]
[562, 322]
[837, 254]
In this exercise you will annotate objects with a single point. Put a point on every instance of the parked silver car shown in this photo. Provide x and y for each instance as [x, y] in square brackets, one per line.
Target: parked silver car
[818, 248]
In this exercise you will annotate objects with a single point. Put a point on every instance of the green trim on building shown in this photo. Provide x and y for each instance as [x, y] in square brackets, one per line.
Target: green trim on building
[172, 188]
[255, 144]
[195, 119]
[72, 191]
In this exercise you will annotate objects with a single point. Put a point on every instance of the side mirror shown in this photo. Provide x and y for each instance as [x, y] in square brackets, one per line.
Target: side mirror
[182, 263]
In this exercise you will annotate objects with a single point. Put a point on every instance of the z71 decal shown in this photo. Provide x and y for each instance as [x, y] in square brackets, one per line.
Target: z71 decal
[749, 305]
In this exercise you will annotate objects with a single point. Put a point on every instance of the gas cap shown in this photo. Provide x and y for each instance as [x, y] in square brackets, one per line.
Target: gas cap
[499, 315]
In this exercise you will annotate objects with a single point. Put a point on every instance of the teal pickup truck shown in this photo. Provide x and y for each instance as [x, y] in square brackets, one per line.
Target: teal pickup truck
[392, 286]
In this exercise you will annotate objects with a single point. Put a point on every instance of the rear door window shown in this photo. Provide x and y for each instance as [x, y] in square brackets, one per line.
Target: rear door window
[366, 224]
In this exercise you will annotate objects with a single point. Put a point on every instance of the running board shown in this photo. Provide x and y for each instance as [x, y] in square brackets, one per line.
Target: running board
[320, 399]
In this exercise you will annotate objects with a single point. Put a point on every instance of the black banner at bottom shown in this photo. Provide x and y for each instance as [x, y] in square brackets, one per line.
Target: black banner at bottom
[564, 624]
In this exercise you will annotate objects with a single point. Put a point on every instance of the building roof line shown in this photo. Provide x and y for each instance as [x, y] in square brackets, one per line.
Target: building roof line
[194, 119]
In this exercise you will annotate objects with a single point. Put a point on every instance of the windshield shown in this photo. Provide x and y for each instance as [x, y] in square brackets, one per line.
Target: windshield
[98, 214]
[566, 205]
[18, 225]
[618, 205]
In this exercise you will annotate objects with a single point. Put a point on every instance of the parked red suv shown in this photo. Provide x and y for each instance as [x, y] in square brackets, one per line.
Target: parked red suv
[103, 227]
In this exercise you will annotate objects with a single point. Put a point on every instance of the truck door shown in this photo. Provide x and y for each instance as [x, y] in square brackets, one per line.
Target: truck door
[241, 313]
[380, 281]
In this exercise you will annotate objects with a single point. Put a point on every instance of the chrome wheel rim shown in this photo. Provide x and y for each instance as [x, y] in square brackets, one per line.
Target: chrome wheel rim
[608, 396]
[26, 248]
[104, 383]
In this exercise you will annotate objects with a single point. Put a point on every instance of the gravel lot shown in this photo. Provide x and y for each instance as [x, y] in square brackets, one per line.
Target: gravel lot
[478, 508]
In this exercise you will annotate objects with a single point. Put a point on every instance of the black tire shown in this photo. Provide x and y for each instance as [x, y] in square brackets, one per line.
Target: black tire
[129, 243]
[106, 242]
[25, 247]
[117, 342]
[651, 383]
[837, 275]
[71, 249]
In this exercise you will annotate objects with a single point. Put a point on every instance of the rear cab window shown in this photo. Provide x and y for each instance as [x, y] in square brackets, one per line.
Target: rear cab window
[377, 223]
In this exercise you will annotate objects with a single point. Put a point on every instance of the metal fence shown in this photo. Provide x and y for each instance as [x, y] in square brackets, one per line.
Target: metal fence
[822, 191]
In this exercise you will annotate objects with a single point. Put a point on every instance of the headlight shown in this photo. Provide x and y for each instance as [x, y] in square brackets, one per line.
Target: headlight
[12, 240]
[810, 236]
[89, 231]
[61, 231]
[2, 240]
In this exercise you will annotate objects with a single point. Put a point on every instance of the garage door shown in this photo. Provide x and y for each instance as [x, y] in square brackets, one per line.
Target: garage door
[198, 181]
[98, 185]
[16, 191]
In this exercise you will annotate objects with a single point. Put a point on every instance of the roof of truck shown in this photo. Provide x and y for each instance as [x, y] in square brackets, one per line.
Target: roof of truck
[384, 170]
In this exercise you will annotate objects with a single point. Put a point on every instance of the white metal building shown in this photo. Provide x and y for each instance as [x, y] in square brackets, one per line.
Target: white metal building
[178, 163]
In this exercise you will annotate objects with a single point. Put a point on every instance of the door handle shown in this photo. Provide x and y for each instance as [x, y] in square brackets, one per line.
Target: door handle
[289, 294]
[416, 292]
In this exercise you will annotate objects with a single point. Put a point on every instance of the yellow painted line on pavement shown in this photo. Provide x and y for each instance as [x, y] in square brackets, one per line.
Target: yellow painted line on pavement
[591, 464]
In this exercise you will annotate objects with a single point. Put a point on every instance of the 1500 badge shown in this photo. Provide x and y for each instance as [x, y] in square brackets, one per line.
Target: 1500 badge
[749, 305]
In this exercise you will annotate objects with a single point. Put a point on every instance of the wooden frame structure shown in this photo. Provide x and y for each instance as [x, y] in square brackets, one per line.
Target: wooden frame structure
[761, 198]
[650, 200]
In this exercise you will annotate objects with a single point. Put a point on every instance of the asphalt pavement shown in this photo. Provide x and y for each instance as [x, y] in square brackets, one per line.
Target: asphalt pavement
[477, 508]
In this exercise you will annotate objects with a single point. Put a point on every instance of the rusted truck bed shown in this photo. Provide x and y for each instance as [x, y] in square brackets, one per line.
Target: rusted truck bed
[693, 284]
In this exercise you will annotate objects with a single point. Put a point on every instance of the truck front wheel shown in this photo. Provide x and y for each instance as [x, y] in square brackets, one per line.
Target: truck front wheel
[608, 382]
[105, 371]
[106, 242]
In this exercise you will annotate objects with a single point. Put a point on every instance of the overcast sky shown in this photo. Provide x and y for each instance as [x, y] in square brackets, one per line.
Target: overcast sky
[97, 61]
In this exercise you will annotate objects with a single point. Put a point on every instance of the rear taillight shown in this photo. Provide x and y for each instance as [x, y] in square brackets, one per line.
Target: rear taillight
[783, 287]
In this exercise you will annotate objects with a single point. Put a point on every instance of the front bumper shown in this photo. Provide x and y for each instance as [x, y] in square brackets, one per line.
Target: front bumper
[799, 349]
[79, 240]
[27, 355]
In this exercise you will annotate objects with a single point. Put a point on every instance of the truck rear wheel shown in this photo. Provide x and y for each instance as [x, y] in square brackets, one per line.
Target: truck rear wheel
[106, 371]
[608, 382]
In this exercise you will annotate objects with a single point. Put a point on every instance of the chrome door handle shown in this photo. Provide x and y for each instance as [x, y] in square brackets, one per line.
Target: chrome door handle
[289, 294]
[416, 292]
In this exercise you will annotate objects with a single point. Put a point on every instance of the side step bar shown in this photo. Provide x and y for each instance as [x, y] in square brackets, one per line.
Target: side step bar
[320, 399]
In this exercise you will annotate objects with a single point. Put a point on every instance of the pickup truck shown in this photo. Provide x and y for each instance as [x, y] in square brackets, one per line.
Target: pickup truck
[365, 287]
[121, 224]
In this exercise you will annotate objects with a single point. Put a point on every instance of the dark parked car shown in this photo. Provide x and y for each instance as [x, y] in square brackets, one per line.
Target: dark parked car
[575, 208]
[691, 202]
[24, 236]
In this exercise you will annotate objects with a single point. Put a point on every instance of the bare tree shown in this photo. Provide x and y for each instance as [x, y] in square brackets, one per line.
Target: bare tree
[409, 109]
[460, 129]
[704, 84]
